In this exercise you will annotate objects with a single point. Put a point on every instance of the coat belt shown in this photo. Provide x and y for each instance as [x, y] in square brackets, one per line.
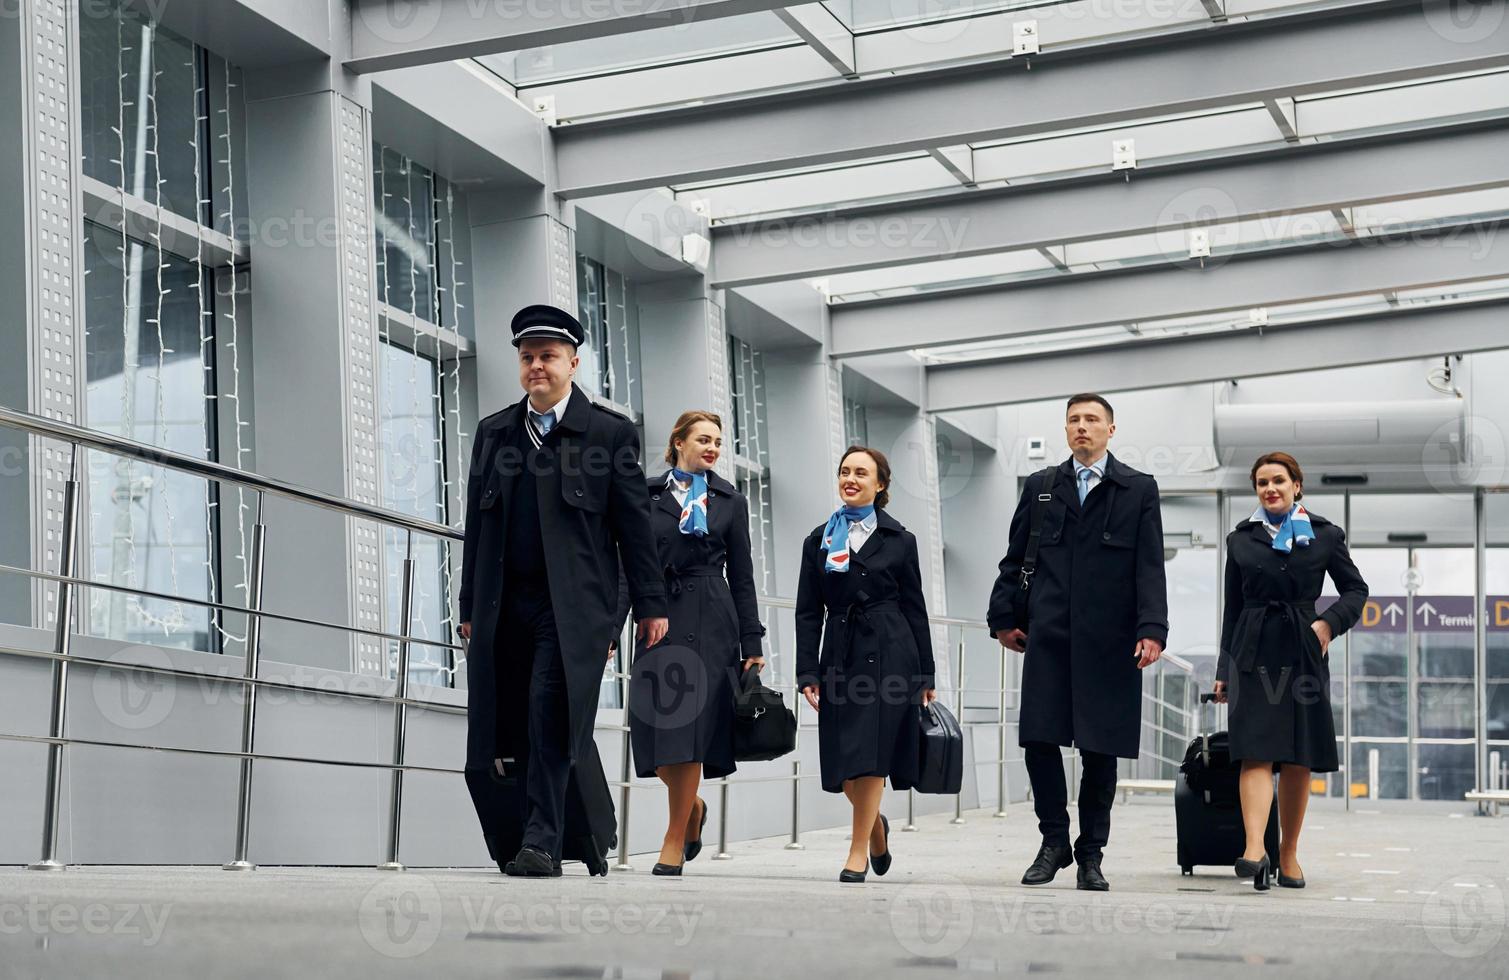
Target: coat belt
[1250, 626]
[674, 575]
[858, 615]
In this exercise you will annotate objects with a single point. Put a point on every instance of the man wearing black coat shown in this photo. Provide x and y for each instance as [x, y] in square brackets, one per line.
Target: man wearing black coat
[555, 499]
[1099, 615]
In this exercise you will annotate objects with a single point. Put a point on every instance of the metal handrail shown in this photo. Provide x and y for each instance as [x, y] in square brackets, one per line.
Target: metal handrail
[116, 445]
[62, 658]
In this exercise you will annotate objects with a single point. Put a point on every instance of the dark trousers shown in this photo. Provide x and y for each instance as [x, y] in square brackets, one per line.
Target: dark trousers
[1050, 797]
[528, 641]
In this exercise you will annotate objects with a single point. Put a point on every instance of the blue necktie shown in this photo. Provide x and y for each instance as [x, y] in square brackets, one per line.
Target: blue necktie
[546, 422]
[1084, 484]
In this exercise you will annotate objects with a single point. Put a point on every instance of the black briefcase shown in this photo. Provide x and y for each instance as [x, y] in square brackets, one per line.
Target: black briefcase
[764, 728]
[591, 830]
[940, 766]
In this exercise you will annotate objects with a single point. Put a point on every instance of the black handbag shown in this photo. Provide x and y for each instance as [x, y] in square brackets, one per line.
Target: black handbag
[1021, 599]
[940, 763]
[764, 728]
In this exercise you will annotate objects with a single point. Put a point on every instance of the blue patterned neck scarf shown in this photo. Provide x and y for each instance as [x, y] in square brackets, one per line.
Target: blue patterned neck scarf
[836, 535]
[1294, 528]
[694, 511]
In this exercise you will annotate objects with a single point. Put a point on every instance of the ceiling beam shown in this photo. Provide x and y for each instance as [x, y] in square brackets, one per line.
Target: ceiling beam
[388, 34]
[1165, 201]
[1294, 349]
[1458, 254]
[1216, 66]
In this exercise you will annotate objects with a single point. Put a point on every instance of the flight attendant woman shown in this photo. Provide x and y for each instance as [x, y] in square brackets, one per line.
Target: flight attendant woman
[1273, 667]
[860, 573]
[681, 692]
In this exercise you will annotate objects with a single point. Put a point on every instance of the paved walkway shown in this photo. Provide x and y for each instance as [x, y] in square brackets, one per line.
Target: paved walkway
[1397, 890]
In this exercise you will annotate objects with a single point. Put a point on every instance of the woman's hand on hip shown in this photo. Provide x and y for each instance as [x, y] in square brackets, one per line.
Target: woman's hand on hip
[1323, 633]
[810, 693]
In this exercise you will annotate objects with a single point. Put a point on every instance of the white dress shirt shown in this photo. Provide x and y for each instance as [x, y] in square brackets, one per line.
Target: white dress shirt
[559, 410]
[1097, 473]
[860, 531]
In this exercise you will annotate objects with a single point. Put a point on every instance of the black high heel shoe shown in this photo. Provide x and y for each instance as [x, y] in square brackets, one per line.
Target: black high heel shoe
[1261, 872]
[694, 847]
[853, 877]
[667, 870]
[1284, 881]
[881, 863]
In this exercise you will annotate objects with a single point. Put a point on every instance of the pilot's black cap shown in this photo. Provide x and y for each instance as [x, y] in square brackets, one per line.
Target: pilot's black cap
[547, 321]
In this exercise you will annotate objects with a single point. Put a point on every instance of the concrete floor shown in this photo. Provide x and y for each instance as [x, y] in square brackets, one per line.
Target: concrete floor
[1396, 890]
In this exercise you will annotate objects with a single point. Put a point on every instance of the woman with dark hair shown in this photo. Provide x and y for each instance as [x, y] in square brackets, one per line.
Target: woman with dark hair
[1273, 668]
[681, 692]
[861, 573]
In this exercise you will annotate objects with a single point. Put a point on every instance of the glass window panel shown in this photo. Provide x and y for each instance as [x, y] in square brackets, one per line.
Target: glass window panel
[413, 482]
[143, 110]
[1446, 771]
[641, 49]
[148, 376]
[406, 230]
[609, 314]
[1393, 769]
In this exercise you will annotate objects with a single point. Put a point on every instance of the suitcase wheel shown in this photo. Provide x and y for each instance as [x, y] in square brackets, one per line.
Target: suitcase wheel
[1188, 871]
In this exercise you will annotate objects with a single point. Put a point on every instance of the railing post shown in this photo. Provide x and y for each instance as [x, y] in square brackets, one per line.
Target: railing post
[723, 854]
[796, 808]
[1372, 774]
[67, 567]
[626, 641]
[959, 797]
[400, 709]
[1001, 796]
[249, 690]
[911, 812]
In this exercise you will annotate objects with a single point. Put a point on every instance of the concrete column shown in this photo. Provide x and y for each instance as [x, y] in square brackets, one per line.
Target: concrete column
[683, 349]
[41, 267]
[315, 356]
[523, 252]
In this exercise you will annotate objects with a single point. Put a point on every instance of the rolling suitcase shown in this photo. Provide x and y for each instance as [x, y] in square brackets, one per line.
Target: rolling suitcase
[1207, 808]
[591, 822]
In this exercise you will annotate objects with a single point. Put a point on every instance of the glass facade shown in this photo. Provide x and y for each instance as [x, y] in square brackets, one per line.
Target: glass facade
[609, 315]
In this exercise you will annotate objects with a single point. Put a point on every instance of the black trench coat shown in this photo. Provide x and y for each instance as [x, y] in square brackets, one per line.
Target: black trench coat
[1278, 680]
[1100, 587]
[594, 511]
[876, 655]
[681, 692]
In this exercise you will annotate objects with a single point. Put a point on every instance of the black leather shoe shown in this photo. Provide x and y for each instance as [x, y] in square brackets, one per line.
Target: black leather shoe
[1261, 872]
[531, 862]
[1090, 879]
[1050, 860]
[881, 863]
[667, 870]
[694, 847]
[853, 877]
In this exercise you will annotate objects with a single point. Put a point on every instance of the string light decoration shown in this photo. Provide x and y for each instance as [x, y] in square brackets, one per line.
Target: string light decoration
[424, 230]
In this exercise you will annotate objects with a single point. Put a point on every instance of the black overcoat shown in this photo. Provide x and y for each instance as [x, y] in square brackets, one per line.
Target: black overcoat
[1100, 587]
[873, 658]
[594, 513]
[681, 692]
[1278, 679]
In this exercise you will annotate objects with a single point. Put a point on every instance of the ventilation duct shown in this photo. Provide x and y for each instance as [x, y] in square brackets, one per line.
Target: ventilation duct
[1328, 436]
